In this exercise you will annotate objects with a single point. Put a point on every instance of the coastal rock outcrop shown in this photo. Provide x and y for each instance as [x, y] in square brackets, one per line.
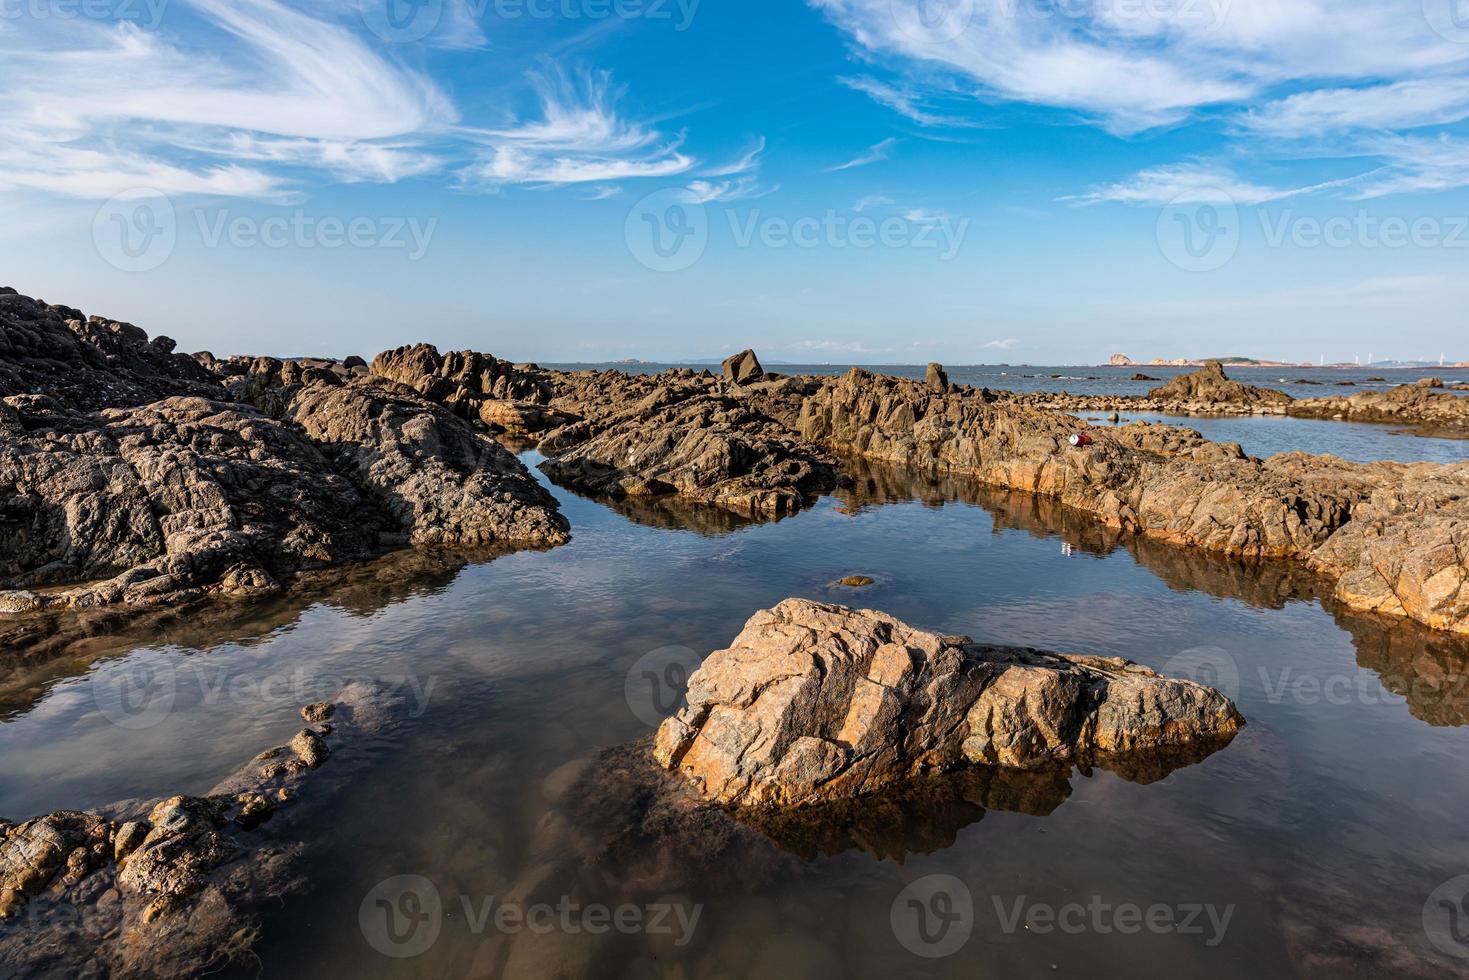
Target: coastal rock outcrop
[87, 363]
[1211, 386]
[1428, 406]
[1403, 523]
[116, 472]
[815, 702]
[743, 368]
[685, 436]
[172, 887]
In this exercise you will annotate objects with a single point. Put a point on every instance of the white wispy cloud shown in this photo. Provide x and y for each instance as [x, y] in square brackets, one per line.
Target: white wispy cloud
[745, 163]
[901, 99]
[1400, 105]
[1008, 344]
[740, 179]
[1136, 66]
[873, 154]
[579, 138]
[872, 201]
[96, 109]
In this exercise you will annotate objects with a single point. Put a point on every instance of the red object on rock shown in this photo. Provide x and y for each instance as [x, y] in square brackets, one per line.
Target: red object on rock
[1081, 440]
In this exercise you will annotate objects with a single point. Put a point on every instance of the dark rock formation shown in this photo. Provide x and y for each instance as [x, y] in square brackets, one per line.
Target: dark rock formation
[816, 702]
[59, 355]
[743, 368]
[113, 468]
[174, 887]
[1393, 537]
[661, 436]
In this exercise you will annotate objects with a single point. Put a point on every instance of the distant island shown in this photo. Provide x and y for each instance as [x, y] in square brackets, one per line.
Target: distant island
[1122, 360]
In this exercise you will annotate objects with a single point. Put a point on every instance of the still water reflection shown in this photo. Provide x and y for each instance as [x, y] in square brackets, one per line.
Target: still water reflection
[1321, 830]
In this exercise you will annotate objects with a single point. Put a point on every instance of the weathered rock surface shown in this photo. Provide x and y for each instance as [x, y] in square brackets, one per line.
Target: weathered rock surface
[1396, 531]
[83, 363]
[689, 437]
[743, 368]
[816, 702]
[167, 888]
[115, 472]
[1211, 386]
[1428, 406]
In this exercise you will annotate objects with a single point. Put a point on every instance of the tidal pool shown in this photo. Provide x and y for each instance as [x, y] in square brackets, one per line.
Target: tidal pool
[468, 845]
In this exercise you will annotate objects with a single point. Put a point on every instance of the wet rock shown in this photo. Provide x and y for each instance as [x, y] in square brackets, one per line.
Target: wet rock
[856, 581]
[743, 368]
[167, 890]
[817, 702]
[318, 712]
[309, 748]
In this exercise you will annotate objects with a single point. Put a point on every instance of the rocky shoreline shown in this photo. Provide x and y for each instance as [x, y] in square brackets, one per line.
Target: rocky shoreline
[133, 475]
[1426, 405]
[172, 887]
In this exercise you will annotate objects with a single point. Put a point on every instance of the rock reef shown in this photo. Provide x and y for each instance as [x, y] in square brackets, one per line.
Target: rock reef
[153, 478]
[172, 887]
[814, 703]
[163, 478]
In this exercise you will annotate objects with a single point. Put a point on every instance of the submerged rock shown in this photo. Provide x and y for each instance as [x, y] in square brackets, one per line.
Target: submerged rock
[165, 889]
[816, 702]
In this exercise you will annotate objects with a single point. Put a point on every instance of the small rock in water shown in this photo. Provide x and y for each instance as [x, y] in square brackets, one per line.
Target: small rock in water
[318, 712]
[857, 581]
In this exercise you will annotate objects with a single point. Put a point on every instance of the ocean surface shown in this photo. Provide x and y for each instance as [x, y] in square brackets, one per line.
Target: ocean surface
[1320, 843]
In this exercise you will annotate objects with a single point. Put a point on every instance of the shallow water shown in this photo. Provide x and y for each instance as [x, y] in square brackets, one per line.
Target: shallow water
[1320, 832]
[1362, 442]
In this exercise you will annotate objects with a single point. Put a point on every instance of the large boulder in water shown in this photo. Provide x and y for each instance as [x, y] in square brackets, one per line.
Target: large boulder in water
[816, 702]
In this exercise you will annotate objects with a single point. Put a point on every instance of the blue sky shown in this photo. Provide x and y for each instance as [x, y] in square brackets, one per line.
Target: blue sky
[869, 181]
